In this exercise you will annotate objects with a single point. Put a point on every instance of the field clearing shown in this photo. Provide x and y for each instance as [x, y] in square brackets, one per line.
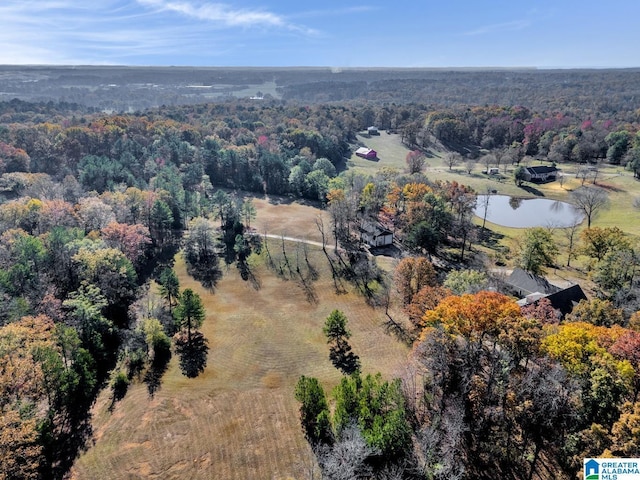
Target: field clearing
[391, 154]
[281, 216]
[239, 419]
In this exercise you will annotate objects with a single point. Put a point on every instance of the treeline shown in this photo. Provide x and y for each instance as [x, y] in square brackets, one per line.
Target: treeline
[123, 88]
[512, 133]
[268, 149]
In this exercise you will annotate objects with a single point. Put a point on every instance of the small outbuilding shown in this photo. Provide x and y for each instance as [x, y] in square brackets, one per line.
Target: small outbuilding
[373, 131]
[375, 235]
[367, 153]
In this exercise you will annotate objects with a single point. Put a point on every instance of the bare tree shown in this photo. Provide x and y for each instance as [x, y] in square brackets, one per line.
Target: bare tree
[590, 201]
[582, 175]
[416, 161]
[345, 460]
[488, 160]
[570, 234]
[484, 204]
[469, 165]
[452, 159]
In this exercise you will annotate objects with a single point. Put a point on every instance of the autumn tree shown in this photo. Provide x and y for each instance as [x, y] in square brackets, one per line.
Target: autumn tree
[542, 311]
[627, 347]
[427, 298]
[132, 240]
[473, 315]
[597, 241]
[597, 312]
[625, 433]
[413, 273]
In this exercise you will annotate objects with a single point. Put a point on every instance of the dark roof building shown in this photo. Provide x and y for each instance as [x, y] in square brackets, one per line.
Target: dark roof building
[566, 299]
[540, 173]
[524, 283]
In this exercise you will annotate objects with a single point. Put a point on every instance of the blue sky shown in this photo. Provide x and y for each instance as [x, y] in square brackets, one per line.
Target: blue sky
[389, 33]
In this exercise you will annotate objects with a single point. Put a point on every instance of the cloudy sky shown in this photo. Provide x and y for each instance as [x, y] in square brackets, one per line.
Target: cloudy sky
[389, 33]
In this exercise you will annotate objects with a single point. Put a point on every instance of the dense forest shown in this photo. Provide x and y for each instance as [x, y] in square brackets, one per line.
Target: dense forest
[94, 206]
[123, 89]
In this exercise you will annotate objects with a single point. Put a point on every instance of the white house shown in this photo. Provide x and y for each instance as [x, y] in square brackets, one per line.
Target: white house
[375, 235]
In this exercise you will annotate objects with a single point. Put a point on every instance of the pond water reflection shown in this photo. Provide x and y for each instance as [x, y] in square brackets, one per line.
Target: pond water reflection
[526, 212]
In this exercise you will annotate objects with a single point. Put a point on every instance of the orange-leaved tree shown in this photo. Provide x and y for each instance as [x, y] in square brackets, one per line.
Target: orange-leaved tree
[411, 275]
[474, 315]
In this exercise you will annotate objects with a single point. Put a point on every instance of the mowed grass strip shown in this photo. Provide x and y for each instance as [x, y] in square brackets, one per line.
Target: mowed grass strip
[239, 419]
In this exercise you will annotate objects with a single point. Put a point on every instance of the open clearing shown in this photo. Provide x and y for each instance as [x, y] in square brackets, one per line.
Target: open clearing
[239, 419]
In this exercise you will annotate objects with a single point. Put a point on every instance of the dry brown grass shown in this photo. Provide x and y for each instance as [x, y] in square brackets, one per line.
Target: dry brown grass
[239, 419]
[282, 216]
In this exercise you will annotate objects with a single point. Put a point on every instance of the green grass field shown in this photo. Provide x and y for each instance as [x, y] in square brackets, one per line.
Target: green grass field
[239, 419]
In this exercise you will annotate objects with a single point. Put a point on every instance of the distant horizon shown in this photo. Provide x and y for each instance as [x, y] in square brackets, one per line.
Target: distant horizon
[311, 67]
[543, 34]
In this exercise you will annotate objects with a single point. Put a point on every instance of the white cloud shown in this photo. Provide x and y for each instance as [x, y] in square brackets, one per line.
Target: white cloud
[225, 15]
[499, 27]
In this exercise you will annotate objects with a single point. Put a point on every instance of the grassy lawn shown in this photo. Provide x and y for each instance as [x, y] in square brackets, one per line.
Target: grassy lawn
[391, 154]
[238, 420]
[280, 216]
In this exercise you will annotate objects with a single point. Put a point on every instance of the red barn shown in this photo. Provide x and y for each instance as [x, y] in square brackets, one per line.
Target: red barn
[367, 153]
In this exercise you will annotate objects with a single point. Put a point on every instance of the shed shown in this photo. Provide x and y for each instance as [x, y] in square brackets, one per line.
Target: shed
[373, 131]
[367, 153]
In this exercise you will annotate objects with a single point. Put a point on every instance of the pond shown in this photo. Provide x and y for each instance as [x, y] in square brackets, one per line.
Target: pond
[527, 212]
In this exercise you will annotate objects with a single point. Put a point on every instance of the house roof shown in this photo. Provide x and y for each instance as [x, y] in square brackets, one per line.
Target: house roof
[375, 229]
[566, 299]
[527, 283]
[562, 301]
[541, 169]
